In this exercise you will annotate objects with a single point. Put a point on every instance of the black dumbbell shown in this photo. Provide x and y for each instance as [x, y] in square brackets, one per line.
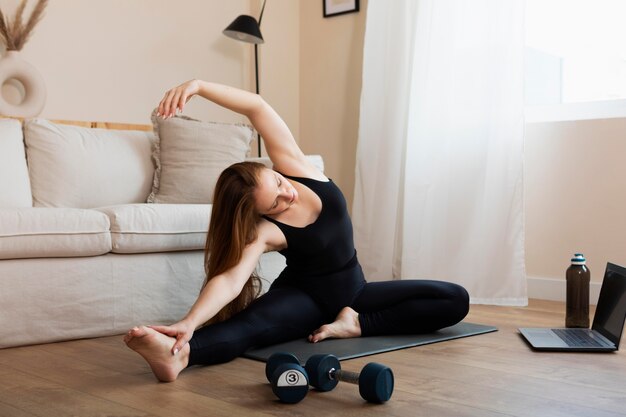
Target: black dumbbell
[375, 381]
[276, 360]
[290, 382]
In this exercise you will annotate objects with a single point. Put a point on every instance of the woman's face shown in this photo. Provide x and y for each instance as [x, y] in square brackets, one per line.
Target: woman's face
[274, 194]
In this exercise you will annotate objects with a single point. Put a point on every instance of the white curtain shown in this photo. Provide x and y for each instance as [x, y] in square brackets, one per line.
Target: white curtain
[439, 191]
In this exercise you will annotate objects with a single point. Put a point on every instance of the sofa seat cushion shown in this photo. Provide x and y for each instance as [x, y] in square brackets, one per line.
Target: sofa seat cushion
[39, 232]
[143, 228]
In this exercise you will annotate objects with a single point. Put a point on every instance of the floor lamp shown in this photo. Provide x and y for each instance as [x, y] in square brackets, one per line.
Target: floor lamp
[246, 29]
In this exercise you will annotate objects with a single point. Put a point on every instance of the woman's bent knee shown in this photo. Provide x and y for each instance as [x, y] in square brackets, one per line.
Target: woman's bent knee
[460, 301]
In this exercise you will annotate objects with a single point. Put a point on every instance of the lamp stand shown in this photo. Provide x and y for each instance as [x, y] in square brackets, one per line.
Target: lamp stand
[256, 79]
[245, 28]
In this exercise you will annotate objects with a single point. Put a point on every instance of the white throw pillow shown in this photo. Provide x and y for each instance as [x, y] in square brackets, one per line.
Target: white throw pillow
[14, 181]
[190, 155]
[79, 167]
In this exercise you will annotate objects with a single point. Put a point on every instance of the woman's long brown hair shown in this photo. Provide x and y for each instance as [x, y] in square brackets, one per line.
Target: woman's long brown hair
[233, 225]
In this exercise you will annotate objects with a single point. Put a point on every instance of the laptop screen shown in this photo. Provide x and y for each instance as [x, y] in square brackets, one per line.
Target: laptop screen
[611, 310]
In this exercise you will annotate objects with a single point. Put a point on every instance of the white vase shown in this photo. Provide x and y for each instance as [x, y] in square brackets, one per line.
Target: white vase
[13, 67]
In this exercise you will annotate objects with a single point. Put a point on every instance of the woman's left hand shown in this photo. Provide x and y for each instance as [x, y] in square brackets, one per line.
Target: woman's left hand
[181, 331]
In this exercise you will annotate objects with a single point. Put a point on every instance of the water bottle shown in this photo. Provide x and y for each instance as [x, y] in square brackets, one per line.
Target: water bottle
[577, 298]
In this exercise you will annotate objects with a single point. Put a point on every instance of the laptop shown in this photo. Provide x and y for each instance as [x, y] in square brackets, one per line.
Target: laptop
[608, 321]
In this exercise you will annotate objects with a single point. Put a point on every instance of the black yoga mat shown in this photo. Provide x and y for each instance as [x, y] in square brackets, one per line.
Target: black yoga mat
[363, 346]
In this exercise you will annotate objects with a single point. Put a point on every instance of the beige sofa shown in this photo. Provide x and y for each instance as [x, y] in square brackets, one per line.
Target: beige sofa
[81, 253]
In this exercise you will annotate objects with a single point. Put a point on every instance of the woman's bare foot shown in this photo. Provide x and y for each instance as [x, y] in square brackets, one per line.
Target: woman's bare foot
[156, 349]
[346, 325]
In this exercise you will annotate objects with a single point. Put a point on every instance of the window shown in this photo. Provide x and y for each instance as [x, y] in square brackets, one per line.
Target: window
[575, 59]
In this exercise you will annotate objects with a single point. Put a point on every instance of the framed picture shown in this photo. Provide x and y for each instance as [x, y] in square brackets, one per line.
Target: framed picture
[337, 7]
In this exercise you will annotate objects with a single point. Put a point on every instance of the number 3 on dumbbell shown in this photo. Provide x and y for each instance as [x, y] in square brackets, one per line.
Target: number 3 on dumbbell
[289, 380]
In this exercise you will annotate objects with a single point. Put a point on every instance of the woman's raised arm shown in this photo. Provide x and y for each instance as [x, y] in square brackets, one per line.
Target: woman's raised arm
[280, 144]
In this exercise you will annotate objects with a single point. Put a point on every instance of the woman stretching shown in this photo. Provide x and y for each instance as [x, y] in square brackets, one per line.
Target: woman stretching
[296, 210]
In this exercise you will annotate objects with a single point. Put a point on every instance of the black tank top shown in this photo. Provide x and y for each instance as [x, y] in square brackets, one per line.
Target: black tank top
[326, 245]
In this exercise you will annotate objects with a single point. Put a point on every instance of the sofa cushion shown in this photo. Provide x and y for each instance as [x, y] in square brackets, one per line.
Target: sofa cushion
[141, 228]
[14, 181]
[190, 155]
[80, 167]
[39, 232]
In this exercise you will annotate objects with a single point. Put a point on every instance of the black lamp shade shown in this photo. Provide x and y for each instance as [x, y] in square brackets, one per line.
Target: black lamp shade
[244, 28]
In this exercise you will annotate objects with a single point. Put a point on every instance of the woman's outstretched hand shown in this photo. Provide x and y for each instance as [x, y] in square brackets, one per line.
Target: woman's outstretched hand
[175, 99]
[181, 331]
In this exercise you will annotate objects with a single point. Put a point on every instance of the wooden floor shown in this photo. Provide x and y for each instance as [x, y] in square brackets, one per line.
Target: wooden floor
[495, 374]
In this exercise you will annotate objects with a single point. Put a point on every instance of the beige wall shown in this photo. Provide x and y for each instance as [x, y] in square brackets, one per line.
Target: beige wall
[280, 59]
[112, 60]
[575, 177]
[331, 59]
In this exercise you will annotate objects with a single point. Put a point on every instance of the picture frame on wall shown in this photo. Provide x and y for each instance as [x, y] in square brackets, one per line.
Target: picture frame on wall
[339, 7]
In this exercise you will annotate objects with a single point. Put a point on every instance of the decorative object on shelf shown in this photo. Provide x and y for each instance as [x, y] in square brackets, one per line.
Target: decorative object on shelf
[338, 7]
[245, 28]
[14, 34]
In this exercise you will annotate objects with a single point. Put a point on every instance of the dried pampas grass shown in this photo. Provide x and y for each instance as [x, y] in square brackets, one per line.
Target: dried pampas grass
[15, 34]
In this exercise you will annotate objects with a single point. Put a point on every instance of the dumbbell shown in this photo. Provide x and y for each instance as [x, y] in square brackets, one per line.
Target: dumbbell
[289, 380]
[375, 381]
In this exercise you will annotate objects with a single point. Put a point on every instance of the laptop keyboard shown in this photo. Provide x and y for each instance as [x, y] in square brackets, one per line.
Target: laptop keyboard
[577, 337]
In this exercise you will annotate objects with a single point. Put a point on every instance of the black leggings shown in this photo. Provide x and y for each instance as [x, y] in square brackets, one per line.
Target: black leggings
[285, 313]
